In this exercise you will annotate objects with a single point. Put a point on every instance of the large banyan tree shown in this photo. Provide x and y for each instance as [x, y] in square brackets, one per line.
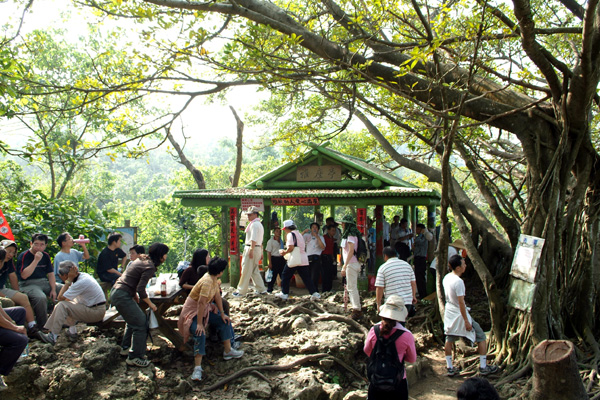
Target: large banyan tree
[507, 92]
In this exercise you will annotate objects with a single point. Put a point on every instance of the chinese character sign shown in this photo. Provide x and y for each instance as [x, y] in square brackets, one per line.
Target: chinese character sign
[248, 202]
[295, 201]
[233, 231]
[319, 173]
[361, 220]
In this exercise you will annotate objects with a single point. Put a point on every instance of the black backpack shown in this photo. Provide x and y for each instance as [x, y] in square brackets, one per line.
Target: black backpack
[362, 251]
[384, 370]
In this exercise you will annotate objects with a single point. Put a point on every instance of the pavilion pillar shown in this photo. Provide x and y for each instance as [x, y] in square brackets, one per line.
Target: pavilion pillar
[234, 248]
[224, 240]
[406, 213]
[379, 237]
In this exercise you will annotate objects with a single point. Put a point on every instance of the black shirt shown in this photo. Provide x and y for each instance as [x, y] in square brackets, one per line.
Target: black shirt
[108, 259]
[42, 270]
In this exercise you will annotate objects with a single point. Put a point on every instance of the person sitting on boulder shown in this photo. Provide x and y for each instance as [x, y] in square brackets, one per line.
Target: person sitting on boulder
[80, 299]
[7, 272]
[13, 340]
[383, 334]
[198, 312]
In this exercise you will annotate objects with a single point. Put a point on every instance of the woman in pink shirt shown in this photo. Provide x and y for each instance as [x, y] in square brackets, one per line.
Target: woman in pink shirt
[392, 313]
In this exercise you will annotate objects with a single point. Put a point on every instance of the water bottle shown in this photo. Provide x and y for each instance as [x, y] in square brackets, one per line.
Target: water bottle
[81, 240]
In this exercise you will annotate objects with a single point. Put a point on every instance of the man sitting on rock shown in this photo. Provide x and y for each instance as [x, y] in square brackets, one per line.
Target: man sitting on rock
[13, 340]
[80, 299]
[36, 277]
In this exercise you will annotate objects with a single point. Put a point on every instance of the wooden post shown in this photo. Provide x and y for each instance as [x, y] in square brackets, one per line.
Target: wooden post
[555, 372]
[234, 248]
[224, 239]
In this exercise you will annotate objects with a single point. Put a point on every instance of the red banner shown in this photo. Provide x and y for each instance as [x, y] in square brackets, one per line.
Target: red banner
[233, 231]
[361, 221]
[296, 201]
[5, 228]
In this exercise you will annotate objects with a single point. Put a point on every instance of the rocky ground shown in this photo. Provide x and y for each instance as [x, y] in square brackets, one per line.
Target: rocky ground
[295, 349]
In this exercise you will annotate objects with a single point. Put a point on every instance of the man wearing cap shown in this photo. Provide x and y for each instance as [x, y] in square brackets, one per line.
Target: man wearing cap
[252, 254]
[80, 299]
[36, 277]
[66, 243]
[395, 277]
[8, 249]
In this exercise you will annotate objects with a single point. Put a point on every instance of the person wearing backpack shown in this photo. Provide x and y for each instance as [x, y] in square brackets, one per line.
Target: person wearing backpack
[389, 345]
[351, 268]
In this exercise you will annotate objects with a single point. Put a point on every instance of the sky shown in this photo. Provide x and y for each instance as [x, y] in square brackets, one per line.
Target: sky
[201, 120]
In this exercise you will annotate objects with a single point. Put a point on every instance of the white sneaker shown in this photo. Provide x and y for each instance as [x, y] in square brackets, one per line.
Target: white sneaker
[233, 353]
[2, 384]
[197, 374]
[282, 296]
[315, 296]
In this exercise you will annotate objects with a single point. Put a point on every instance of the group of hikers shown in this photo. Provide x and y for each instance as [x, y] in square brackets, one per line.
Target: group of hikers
[36, 282]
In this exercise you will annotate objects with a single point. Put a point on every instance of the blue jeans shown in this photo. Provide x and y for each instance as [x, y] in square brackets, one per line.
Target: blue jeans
[225, 331]
[12, 343]
[136, 331]
[304, 273]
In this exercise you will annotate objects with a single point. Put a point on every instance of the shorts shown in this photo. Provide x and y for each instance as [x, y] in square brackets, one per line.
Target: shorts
[479, 334]
[8, 293]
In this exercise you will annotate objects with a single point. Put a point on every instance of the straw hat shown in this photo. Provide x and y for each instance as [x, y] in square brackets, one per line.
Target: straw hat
[348, 219]
[394, 308]
[459, 244]
[252, 210]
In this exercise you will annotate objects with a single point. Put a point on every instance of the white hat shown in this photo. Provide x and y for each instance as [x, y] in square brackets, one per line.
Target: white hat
[287, 223]
[252, 210]
[394, 309]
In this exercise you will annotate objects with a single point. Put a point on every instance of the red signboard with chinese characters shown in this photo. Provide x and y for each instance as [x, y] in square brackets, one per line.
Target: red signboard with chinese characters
[296, 201]
[361, 221]
[233, 231]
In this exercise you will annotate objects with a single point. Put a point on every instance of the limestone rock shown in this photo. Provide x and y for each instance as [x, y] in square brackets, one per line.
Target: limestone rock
[100, 358]
[356, 395]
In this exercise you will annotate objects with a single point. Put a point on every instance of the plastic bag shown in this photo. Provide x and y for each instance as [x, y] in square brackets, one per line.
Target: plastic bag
[269, 275]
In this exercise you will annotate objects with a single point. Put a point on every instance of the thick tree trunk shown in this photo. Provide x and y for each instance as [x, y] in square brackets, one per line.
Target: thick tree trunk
[555, 372]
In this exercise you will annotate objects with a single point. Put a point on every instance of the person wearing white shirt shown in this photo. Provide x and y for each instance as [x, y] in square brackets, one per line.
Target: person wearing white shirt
[252, 255]
[315, 243]
[275, 261]
[80, 299]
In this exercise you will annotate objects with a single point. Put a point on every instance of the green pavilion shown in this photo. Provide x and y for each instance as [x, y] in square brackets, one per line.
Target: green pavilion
[322, 178]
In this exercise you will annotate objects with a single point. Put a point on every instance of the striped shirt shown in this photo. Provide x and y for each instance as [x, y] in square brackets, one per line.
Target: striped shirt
[395, 277]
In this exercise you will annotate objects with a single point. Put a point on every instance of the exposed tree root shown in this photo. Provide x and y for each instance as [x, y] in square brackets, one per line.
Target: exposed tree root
[339, 318]
[258, 368]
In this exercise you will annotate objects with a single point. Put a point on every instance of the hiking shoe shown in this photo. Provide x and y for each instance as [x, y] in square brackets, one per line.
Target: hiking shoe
[124, 351]
[73, 337]
[282, 296]
[237, 294]
[2, 384]
[489, 369]
[315, 296]
[47, 338]
[263, 292]
[197, 374]
[451, 371]
[138, 362]
[233, 353]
